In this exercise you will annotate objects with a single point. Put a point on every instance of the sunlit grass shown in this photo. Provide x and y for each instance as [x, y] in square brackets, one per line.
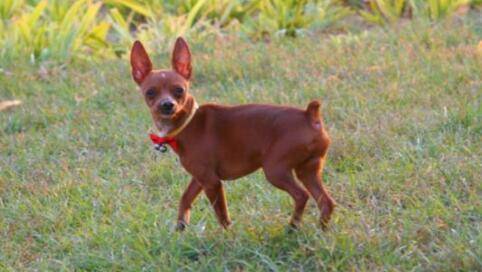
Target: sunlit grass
[81, 188]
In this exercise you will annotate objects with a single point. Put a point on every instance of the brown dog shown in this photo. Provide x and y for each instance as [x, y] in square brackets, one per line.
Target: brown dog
[216, 143]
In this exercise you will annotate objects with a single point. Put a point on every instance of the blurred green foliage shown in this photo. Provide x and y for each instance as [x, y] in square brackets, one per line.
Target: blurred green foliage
[57, 29]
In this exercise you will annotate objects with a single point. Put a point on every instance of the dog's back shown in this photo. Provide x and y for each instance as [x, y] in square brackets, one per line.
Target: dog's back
[238, 139]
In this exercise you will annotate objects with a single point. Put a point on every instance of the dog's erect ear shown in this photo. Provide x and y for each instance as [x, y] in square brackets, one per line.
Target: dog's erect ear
[181, 59]
[140, 62]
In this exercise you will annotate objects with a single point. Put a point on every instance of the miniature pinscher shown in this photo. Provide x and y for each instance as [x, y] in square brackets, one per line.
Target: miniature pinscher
[216, 143]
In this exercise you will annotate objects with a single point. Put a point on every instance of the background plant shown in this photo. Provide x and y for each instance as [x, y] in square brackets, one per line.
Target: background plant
[55, 29]
[291, 17]
[390, 11]
[382, 11]
[437, 9]
[61, 30]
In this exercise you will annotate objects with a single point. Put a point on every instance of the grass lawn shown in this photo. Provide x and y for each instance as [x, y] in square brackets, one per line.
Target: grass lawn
[82, 188]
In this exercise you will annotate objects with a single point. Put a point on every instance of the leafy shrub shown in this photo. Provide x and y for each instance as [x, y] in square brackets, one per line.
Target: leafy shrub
[56, 29]
[291, 17]
[383, 11]
[9, 7]
[437, 9]
[390, 11]
[61, 29]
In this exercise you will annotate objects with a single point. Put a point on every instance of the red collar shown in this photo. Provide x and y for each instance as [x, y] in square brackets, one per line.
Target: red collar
[161, 141]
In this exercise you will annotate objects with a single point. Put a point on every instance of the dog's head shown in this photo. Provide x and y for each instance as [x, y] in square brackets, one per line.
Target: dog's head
[165, 91]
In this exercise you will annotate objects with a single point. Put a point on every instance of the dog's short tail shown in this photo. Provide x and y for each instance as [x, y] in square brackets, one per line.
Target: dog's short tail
[313, 110]
[313, 114]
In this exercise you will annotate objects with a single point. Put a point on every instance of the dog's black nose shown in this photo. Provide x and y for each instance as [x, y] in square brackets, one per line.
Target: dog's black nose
[166, 107]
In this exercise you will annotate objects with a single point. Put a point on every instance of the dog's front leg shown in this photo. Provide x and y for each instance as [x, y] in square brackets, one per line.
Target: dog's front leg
[215, 192]
[188, 197]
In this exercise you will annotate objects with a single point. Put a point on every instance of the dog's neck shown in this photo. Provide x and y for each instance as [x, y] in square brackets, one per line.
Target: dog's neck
[171, 128]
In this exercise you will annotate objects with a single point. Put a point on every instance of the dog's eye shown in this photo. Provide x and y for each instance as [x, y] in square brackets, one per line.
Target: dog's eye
[151, 93]
[178, 92]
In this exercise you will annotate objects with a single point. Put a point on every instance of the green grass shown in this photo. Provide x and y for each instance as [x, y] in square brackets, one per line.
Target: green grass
[82, 189]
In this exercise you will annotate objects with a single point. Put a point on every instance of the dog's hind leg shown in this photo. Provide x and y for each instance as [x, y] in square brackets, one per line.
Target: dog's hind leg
[283, 179]
[310, 174]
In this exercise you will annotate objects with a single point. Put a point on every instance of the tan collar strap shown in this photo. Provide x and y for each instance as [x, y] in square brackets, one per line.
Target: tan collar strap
[186, 122]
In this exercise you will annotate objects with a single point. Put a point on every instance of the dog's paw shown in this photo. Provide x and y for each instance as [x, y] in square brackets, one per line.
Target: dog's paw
[181, 226]
[226, 224]
[291, 228]
[324, 223]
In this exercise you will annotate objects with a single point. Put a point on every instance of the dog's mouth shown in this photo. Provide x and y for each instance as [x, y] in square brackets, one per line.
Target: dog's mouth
[163, 119]
[166, 114]
[163, 114]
